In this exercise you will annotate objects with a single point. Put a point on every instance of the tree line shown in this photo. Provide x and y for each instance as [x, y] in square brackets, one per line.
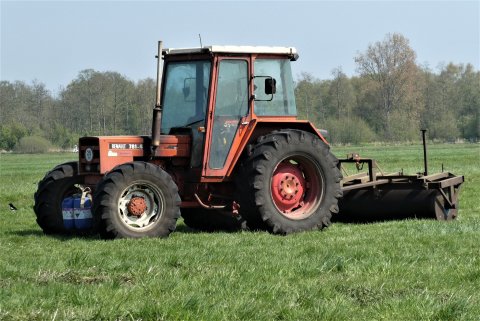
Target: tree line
[95, 103]
[393, 97]
[390, 99]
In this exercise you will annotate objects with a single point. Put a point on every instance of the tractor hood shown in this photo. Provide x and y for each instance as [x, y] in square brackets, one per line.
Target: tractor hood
[99, 154]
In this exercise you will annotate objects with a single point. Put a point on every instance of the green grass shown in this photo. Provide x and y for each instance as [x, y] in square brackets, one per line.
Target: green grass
[395, 270]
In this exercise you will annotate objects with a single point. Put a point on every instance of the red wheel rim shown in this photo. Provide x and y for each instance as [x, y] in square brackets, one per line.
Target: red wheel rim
[296, 187]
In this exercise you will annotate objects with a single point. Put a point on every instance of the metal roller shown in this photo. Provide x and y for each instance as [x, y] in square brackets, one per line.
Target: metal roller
[374, 205]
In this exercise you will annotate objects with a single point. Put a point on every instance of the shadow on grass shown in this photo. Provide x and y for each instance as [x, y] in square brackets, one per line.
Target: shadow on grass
[181, 228]
[29, 232]
[188, 230]
[62, 237]
[374, 218]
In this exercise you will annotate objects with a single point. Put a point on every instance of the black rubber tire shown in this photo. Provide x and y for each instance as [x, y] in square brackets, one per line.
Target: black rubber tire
[52, 189]
[211, 220]
[255, 178]
[109, 191]
[246, 200]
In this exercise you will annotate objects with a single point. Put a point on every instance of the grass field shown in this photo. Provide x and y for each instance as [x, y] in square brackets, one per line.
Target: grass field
[395, 270]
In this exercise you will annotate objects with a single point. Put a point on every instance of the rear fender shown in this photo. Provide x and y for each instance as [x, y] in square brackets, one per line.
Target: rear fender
[263, 127]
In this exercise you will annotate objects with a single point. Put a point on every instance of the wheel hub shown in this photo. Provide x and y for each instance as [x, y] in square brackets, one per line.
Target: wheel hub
[288, 187]
[137, 206]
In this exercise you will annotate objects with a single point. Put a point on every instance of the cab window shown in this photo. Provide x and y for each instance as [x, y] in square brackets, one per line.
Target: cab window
[282, 102]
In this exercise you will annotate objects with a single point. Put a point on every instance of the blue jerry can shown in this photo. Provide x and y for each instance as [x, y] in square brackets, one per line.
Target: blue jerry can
[83, 213]
[67, 212]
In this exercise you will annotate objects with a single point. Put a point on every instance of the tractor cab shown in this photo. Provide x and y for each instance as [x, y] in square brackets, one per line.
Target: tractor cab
[217, 93]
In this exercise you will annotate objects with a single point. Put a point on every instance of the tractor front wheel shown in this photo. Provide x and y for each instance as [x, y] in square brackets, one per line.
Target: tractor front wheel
[136, 200]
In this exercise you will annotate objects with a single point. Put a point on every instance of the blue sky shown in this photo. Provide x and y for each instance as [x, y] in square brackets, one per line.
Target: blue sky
[53, 41]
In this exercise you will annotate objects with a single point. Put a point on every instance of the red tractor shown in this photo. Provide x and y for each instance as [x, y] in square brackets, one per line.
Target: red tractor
[226, 152]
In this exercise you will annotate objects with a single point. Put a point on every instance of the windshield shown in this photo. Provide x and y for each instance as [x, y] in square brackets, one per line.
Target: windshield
[185, 93]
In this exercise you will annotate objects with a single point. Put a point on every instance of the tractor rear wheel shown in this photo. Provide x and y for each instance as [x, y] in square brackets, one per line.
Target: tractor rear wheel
[59, 183]
[136, 200]
[293, 183]
[210, 220]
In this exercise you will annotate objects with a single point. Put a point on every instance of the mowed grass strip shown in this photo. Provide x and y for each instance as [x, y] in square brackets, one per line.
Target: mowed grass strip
[394, 270]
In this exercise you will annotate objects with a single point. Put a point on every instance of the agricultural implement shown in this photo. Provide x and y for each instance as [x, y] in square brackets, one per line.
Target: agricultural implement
[372, 195]
[226, 152]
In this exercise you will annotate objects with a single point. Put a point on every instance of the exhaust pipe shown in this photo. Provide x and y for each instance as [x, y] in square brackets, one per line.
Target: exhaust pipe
[157, 110]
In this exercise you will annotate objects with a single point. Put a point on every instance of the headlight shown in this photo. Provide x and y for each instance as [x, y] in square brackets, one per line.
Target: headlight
[89, 154]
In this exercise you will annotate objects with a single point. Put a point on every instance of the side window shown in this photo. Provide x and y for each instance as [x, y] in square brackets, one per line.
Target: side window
[230, 106]
[283, 102]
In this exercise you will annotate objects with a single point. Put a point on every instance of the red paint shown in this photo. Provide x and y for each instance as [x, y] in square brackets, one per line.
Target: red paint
[137, 206]
[288, 187]
[296, 187]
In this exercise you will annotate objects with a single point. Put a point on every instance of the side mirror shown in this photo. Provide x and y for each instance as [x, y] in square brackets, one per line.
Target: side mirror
[270, 86]
[266, 93]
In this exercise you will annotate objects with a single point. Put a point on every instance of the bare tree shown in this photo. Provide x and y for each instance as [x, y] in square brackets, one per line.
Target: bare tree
[341, 93]
[391, 65]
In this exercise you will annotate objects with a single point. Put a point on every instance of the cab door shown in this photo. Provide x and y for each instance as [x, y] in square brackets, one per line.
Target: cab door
[229, 115]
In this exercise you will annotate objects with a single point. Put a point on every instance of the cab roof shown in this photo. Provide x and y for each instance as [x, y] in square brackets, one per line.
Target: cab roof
[289, 51]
